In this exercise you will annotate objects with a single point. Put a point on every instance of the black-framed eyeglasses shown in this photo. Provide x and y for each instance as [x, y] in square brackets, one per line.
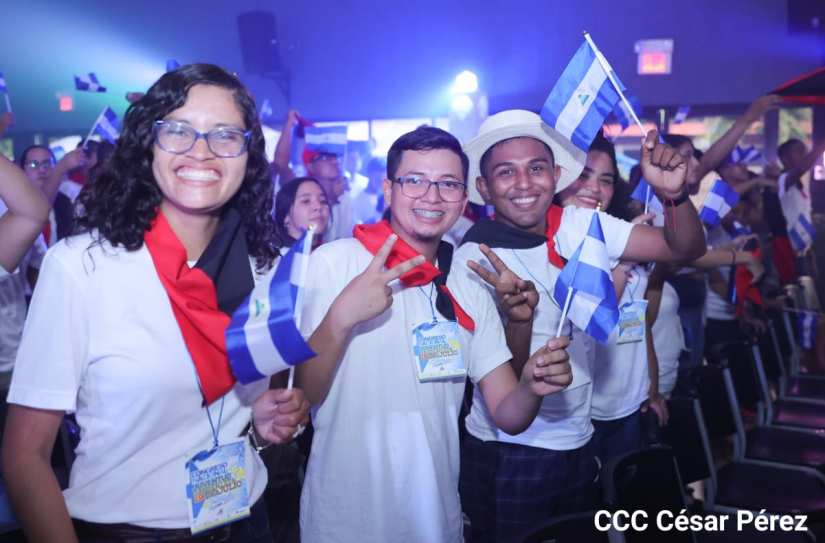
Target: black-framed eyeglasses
[417, 187]
[180, 138]
[35, 165]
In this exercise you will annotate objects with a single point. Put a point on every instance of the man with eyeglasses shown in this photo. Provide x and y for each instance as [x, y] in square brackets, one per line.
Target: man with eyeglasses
[396, 347]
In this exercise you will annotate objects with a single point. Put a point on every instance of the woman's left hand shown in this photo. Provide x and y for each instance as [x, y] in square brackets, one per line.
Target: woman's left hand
[280, 415]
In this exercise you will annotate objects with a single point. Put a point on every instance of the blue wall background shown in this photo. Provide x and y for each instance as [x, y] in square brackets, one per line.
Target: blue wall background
[367, 59]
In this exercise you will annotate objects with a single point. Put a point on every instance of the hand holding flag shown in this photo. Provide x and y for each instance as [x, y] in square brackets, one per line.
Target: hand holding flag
[548, 371]
[105, 125]
[718, 203]
[664, 169]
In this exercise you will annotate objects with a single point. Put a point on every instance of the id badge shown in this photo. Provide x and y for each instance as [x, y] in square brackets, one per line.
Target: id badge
[438, 351]
[632, 322]
[216, 488]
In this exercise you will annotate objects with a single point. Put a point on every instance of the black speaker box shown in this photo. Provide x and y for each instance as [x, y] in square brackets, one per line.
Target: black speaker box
[259, 43]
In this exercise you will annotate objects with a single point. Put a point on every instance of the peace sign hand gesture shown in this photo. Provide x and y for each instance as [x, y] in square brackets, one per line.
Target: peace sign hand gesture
[517, 298]
[368, 294]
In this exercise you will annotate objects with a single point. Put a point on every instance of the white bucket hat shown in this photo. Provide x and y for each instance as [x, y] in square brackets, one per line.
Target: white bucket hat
[517, 123]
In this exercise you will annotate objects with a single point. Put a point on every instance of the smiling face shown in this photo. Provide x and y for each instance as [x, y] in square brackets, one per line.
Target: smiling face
[594, 185]
[425, 219]
[519, 180]
[310, 207]
[197, 182]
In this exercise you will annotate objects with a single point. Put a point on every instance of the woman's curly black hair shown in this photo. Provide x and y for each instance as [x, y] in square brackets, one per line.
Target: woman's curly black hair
[123, 200]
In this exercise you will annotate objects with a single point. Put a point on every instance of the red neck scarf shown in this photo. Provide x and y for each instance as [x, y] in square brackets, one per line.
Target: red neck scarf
[194, 301]
[373, 237]
[745, 289]
[553, 222]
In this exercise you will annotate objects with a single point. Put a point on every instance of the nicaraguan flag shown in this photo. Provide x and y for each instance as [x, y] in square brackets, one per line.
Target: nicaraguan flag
[581, 99]
[739, 229]
[681, 114]
[3, 88]
[739, 155]
[266, 109]
[326, 139]
[802, 234]
[88, 82]
[644, 193]
[593, 306]
[262, 338]
[106, 124]
[806, 322]
[172, 64]
[623, 114]
[717, 203]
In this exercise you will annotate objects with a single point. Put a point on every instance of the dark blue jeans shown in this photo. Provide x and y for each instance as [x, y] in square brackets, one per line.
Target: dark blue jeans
[692, 293]
[614, 437]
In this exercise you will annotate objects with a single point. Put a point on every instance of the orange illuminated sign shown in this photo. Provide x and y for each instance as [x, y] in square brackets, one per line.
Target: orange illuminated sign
[66, 103]
[654, 63]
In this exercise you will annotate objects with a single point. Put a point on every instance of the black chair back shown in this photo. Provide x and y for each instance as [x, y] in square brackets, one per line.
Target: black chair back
[572, 528]
[770, 353]
[646, 480]
[738, 356]
[684, 434]
[717, 412]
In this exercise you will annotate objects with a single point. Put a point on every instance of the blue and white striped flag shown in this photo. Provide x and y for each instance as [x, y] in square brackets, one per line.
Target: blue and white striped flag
[740, 154]
[172, 64]
[3, 88]
[88, 82]
[802, 233]
[587, 281]
[623, 114]
[718, 203]
[262, 339]
[265, 110]
[806, 322]
[681, 114]
[106, 124]
[326, 139]
[582, 98]
[739, 229]
[644, 193]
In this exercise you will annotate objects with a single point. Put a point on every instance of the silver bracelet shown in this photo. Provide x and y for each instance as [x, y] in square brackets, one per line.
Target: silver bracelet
[253, 440]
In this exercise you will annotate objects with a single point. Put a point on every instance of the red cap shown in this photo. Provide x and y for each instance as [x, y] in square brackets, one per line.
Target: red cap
[308, 155]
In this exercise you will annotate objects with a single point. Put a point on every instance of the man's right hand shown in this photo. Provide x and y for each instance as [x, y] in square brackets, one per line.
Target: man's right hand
[368, 294]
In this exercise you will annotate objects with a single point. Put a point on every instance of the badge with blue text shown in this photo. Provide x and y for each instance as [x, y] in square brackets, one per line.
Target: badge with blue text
[216, 488]
[632, 322]
[438, 351]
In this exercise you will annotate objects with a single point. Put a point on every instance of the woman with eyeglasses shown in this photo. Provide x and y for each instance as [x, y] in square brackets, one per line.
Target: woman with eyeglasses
[127, 331]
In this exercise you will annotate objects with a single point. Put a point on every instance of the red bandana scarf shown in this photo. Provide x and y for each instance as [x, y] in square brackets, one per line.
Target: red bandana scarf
[553, 222]
[194, 300]
[373, 237]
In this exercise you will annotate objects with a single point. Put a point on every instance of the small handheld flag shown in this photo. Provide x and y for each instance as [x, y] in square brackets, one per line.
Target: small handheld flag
[741, 155]
[172, 64]
[806, 323]
[644, 193]
[105, 125]
[585, 287]
[326, 139]
[718, 203]
[624, 114]
[802, 234]
[262, 339]
[582, 98]
[266, 110]
[5, 91]
[681, 114]
[88, 82]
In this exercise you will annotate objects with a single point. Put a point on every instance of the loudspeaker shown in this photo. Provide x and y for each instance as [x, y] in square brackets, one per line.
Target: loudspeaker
[259, 43]
[806, 16]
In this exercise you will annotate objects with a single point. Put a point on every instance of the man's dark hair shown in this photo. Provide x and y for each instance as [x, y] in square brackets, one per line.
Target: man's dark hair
[123, 200]
[786, 147]
[425, 138]
[485, 158]
[24, 156]
[677, 140]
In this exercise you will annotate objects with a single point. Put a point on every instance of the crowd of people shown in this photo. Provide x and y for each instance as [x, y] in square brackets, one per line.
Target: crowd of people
[136, 256]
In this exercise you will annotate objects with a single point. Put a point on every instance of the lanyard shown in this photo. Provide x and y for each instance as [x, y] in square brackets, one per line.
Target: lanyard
[629, 277]
[539, 283]
[430, 298]
[215, 431]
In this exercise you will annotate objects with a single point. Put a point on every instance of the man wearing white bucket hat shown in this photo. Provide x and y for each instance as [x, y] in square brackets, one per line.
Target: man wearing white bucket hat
[517, 164]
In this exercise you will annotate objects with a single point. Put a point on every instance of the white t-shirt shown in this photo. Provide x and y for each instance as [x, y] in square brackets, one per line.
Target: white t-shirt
[341, 220]
[620, 379]
[385, 456]
[563, 423]
[457, 231]
[717, 307]
[102, 341]
[365, 207]
[668, 339]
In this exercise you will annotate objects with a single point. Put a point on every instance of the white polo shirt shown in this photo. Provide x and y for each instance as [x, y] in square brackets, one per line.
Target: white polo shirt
[621, 381]
[563, 423]
[794, 202]
[102, 341]
[385, 456]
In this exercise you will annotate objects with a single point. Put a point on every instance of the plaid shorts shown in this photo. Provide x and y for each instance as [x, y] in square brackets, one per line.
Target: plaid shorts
[506, 487]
